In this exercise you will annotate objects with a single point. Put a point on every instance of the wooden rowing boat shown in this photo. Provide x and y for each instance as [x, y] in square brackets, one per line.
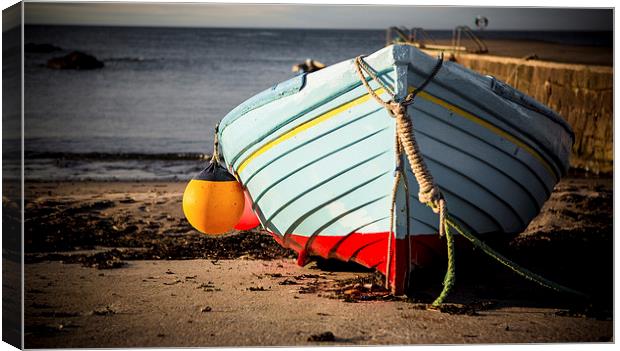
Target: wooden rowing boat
[316, 154]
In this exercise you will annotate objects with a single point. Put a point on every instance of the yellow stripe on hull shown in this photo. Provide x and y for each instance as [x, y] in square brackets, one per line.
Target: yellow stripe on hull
[305, 126]
[488, 126]
[364, 98]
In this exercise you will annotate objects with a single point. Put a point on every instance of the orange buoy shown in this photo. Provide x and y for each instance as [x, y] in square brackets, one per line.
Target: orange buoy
[248, 219]
[213, 201]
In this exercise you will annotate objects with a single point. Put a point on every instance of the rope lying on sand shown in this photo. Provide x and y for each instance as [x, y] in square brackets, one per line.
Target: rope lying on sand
[429, 193]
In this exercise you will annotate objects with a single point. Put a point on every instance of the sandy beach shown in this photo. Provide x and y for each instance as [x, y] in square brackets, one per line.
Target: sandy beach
[118, 259]
[119, 109]
[256, 302]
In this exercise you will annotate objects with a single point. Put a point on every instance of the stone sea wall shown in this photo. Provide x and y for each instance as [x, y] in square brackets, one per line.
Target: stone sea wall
[582, 94]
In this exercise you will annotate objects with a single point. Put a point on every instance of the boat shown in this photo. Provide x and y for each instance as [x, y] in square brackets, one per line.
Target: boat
[318, 158]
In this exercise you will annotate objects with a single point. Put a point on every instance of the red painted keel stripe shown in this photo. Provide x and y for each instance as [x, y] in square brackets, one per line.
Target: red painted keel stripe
[370, 250]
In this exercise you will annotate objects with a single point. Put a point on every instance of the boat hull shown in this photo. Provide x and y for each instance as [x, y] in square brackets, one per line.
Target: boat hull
[317, 156]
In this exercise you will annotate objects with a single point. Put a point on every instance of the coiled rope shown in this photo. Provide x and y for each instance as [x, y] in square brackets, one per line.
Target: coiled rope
[429, 193]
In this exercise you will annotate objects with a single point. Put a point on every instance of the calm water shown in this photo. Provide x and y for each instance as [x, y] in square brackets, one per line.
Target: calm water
[161, 92]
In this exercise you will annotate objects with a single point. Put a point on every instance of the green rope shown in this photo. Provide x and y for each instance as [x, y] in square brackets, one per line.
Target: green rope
[449, 279]
[398, 110]
[500, 258]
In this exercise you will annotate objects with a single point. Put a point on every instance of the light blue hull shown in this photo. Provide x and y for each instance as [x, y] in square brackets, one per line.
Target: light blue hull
[317, 157]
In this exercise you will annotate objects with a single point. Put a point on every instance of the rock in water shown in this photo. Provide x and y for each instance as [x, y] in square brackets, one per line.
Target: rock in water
[75, 60]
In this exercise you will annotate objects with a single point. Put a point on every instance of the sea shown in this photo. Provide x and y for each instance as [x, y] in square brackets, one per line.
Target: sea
[149, 114]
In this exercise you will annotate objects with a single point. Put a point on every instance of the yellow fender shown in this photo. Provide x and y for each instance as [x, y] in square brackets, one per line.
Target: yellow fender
[213, 201]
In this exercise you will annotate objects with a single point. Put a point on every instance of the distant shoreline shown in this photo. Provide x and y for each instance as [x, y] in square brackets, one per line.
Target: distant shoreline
[513, 35]
[152, 111]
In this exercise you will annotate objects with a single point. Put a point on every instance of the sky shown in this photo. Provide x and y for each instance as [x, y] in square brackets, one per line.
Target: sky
[314, 16]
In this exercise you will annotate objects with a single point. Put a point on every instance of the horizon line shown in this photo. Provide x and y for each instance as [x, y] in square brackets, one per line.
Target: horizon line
[300, 28]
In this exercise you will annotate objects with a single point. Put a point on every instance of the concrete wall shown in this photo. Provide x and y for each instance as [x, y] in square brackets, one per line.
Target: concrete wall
[582, 94]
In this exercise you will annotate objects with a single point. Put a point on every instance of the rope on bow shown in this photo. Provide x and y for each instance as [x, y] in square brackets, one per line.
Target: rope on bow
[430, 194]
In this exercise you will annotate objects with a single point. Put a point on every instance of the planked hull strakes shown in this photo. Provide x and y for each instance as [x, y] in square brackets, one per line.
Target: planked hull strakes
[317, 156]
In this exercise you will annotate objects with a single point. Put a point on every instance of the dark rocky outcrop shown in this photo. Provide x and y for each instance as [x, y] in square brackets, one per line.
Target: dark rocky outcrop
[75, 60]
[41, 48]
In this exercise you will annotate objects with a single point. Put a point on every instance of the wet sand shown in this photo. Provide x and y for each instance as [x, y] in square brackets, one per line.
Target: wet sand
[114, 264]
